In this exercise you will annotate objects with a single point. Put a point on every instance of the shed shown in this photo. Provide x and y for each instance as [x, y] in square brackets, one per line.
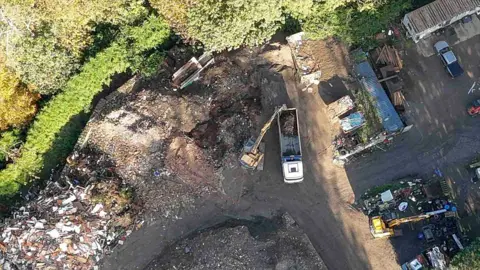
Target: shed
[425, 20]
[388, 116]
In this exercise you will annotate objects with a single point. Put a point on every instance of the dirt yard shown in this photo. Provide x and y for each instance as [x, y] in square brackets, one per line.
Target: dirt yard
[180, 150]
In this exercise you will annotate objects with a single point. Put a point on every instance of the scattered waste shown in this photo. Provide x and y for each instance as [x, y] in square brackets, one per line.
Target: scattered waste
[472, 89]
[68, 226]
[352, 122]
[289, 126]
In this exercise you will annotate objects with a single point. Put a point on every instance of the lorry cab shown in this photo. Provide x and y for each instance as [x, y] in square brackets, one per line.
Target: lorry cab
[292, 170]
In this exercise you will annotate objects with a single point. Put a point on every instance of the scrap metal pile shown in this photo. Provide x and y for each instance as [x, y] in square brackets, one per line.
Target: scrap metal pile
[409, 201]
[68, 225]
[419, 195]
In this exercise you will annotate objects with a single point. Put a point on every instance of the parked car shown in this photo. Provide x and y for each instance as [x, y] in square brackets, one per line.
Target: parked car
[474, 109]
[448, 58]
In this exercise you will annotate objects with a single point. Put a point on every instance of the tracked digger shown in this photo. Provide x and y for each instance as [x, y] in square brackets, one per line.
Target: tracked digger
[380, 228]
[252, 157]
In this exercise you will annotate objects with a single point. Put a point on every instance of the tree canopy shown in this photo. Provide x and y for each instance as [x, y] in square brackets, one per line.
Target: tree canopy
[354, 22]
[42, 63]
[227, 24]
[43, 40]
[469, 258]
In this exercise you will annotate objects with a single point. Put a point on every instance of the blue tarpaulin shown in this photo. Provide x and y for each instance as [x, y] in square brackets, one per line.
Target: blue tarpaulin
[352, 121]
[389, 117]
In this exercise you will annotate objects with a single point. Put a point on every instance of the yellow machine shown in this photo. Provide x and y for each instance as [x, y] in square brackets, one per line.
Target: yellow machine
[380, 228]
[252, 156]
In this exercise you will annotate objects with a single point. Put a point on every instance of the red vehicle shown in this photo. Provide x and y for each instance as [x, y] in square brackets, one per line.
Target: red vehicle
[474, 110]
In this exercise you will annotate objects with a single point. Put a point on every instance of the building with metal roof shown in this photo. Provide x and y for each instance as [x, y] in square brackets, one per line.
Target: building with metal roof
[423, 21]
[389, 117]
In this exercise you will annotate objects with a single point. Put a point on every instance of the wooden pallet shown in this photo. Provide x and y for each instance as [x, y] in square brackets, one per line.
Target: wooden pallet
[388, 55]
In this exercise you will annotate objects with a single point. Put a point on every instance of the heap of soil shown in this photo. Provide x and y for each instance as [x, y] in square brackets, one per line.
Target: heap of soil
[276, 243]
[330, 53]
[289, 123]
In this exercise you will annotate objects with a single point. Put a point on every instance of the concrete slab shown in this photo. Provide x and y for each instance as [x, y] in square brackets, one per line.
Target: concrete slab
[453, 34]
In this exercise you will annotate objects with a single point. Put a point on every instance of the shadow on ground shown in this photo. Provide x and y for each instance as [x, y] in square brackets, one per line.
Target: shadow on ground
[332, 90]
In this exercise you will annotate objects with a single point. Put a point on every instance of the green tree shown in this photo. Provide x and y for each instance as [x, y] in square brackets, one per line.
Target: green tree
[44, 40]
[298, 9]
[354, 22]
[68, 22]
[175, 12]
[469, 258]
[39, 61]
[229, 24]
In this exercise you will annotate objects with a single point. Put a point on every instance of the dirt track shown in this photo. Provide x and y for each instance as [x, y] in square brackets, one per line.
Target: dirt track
[320, 205]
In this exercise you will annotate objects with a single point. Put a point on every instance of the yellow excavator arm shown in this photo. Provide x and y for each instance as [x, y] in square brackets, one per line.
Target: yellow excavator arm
[398, 221]
[253, 156]
[380, 228]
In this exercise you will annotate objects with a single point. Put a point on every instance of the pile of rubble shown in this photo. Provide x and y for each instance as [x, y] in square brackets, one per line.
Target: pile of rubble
[289, 126]
[70, 224]
[260, 243]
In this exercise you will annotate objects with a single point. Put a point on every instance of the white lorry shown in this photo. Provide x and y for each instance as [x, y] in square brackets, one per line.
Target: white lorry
[290, 146]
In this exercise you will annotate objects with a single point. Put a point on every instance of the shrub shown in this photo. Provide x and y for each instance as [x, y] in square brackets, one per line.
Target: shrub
[17, 104]
[469, 258]
[8, 141]
[354, 23]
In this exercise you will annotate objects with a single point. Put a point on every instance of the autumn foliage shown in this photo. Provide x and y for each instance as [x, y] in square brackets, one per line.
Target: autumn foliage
[17, 104]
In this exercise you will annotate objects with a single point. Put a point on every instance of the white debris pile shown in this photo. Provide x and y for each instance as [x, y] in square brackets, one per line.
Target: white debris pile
[65, 227]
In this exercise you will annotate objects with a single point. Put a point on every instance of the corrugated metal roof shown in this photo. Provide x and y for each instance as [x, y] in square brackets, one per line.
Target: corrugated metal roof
[439, 11]
[390, 119]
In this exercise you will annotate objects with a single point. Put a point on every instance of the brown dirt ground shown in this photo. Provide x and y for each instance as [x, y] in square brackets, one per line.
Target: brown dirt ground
[240, 92]
[330, 56]
[321, 203]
